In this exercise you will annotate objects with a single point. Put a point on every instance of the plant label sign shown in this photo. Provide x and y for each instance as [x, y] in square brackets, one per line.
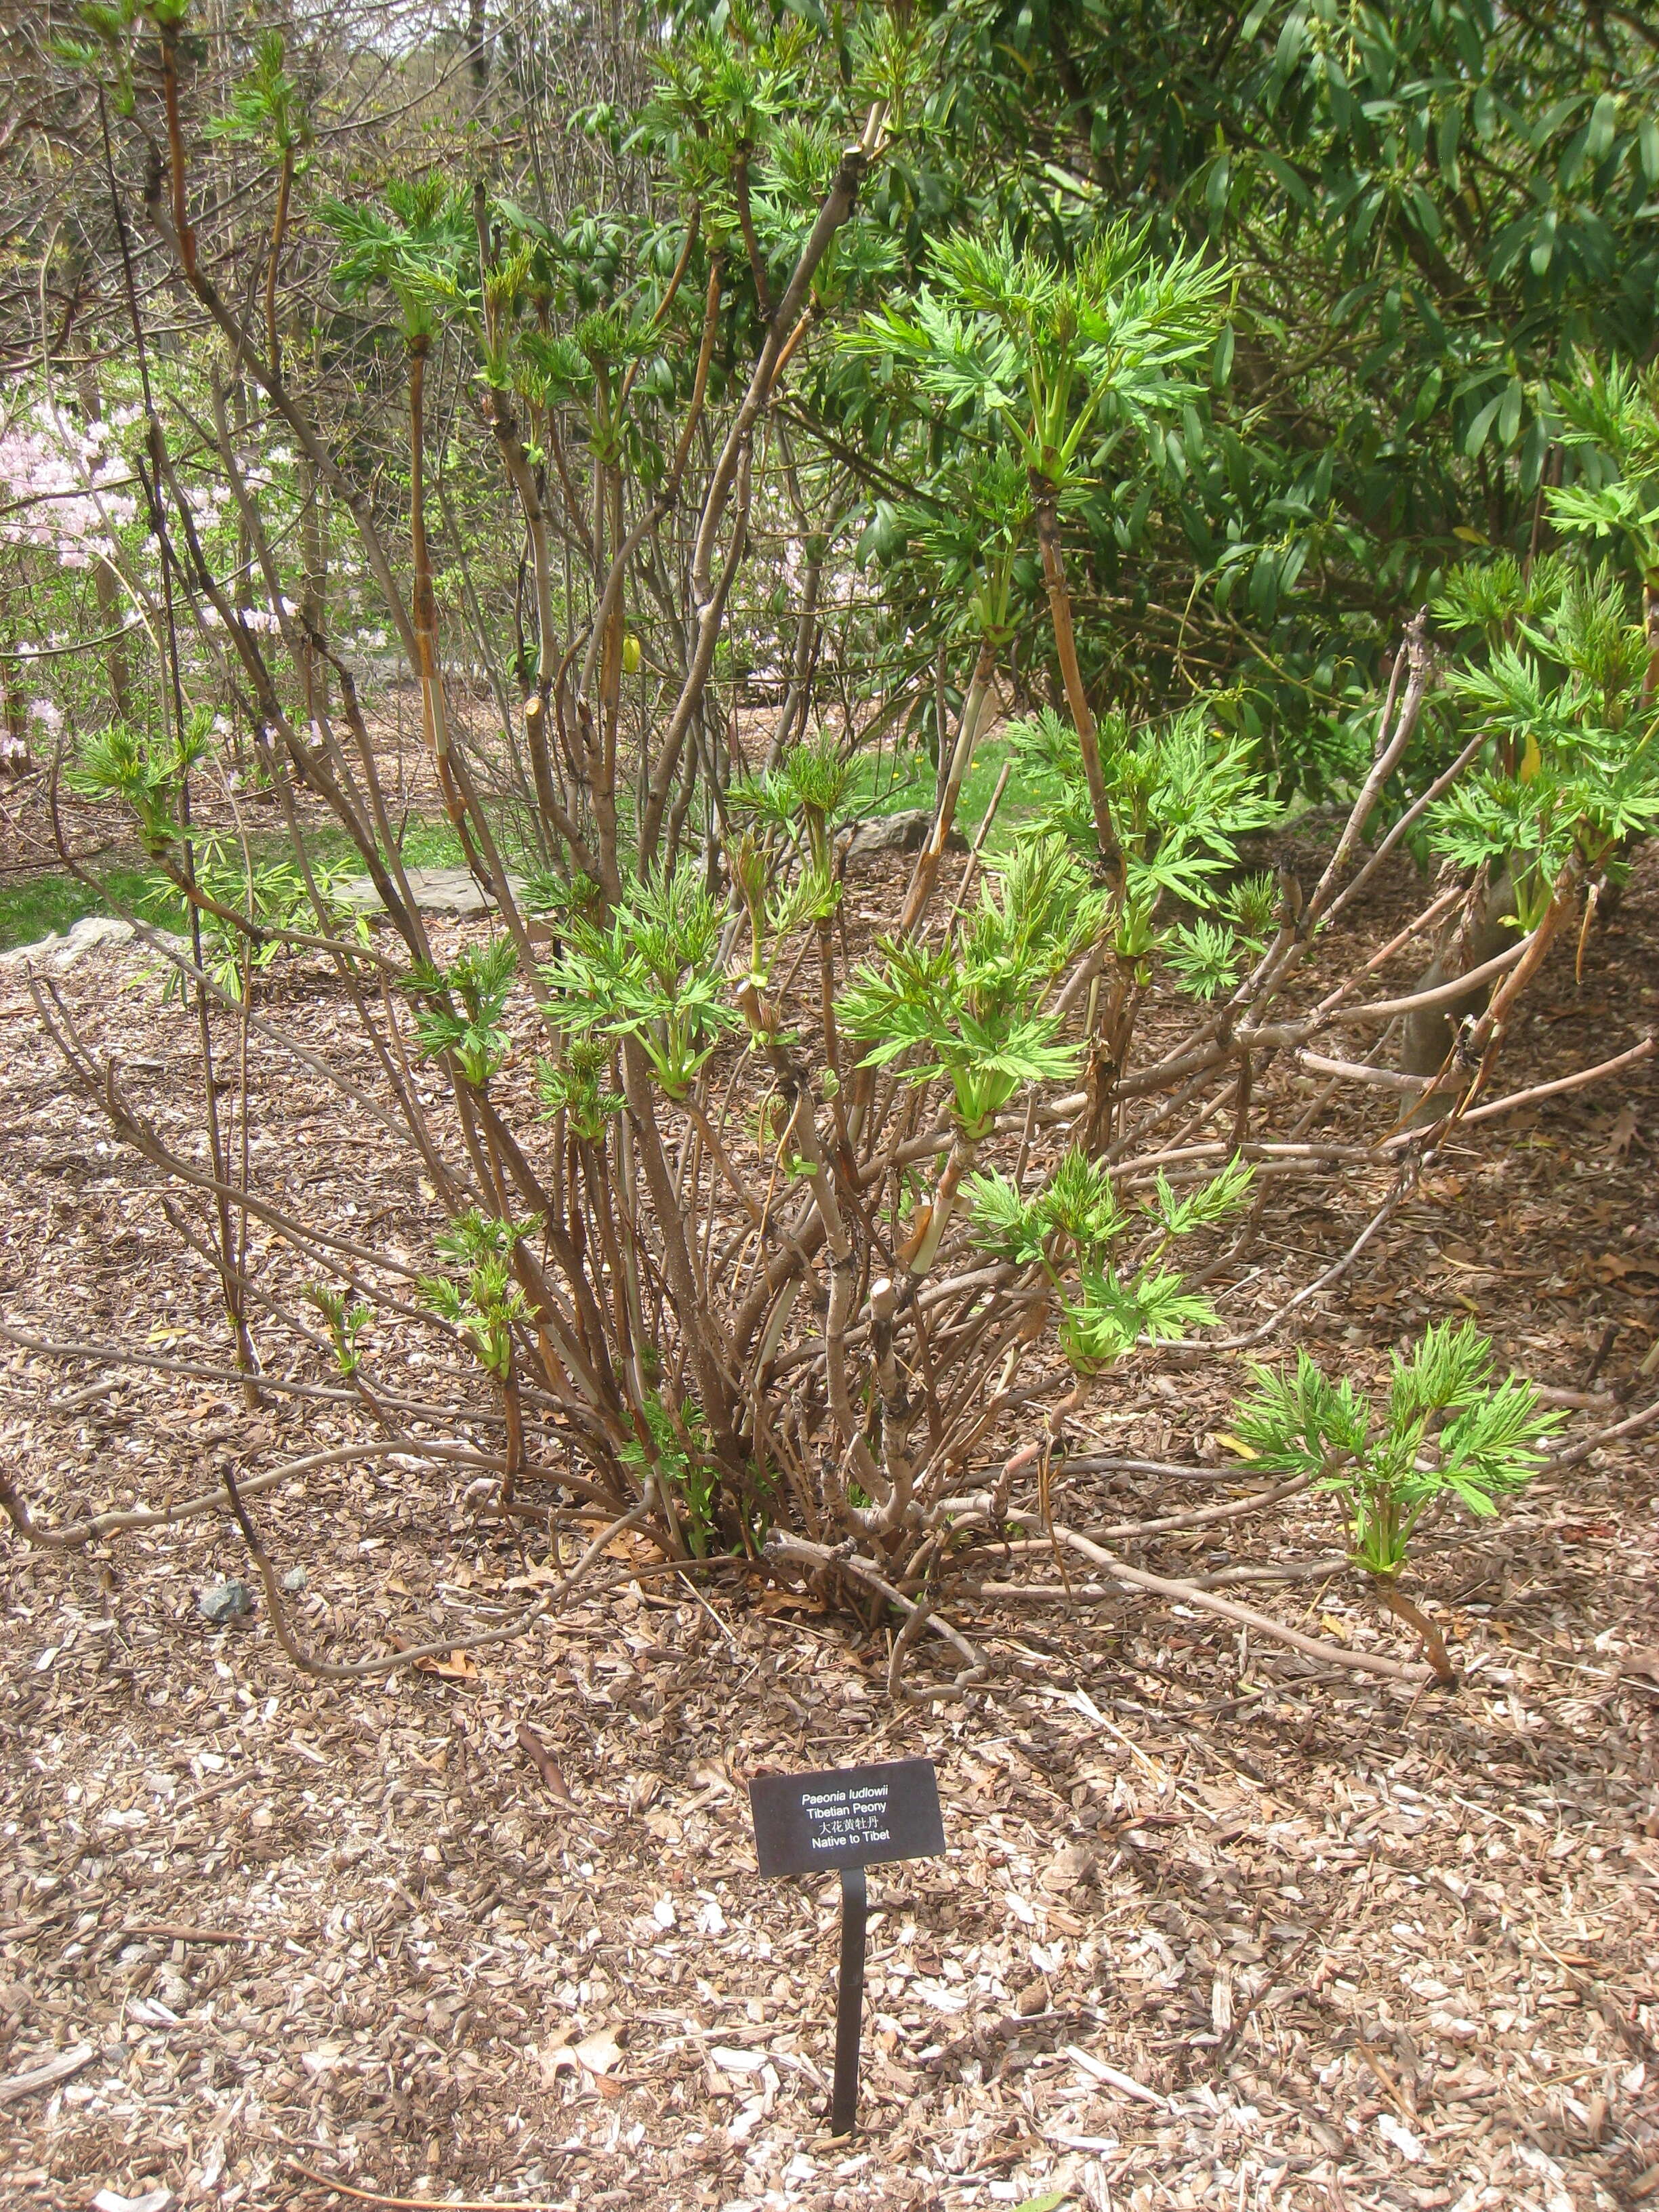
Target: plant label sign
[852, 1816]
[847, 1820]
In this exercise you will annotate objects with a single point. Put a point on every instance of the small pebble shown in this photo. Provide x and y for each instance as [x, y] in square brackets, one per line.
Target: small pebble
[224, 1602]
[294, 1579]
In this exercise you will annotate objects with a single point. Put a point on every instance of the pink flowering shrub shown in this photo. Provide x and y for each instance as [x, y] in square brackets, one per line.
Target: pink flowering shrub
[65, 488]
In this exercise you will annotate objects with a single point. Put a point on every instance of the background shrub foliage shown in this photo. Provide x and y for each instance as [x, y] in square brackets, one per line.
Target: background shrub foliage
[717, 419]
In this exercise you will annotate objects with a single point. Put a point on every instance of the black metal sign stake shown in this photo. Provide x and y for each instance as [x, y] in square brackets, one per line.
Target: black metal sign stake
[850, 1999]
[849, 1818]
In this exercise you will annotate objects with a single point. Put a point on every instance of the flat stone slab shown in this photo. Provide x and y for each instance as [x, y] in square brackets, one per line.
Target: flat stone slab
[434, 891]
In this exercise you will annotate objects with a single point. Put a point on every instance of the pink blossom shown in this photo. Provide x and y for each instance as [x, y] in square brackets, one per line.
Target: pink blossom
[63, 493]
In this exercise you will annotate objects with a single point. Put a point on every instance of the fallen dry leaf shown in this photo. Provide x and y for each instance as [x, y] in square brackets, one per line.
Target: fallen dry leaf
[1613, 1266]
[595, 2054]
[543, 1762]
[1622, 1134]
[601, 2051]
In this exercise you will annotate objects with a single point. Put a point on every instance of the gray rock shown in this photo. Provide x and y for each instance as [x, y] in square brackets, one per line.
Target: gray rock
[223, 1601]
[904, 832]
[434, 891]
[87, 934]
[61, 953]
[294, 1579]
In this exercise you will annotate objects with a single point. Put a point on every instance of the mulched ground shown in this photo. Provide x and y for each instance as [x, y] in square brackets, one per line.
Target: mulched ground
[1213, 1928]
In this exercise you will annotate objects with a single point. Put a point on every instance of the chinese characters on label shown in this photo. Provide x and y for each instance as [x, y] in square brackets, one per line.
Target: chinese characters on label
[856, 1816]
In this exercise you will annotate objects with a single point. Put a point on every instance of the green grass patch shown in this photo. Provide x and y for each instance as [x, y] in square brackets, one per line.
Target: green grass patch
[432, 845]
[36, 907]
[906, 780]
[33, 907]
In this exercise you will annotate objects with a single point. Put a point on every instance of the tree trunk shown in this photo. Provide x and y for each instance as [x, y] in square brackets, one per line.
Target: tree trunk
[951, 780]
[313, 594]
[434, 714]
[1060, 611]
[105, 584]
[1480, 934]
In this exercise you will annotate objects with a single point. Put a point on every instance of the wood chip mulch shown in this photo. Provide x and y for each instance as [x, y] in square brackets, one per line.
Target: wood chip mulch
[1212, 1929]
